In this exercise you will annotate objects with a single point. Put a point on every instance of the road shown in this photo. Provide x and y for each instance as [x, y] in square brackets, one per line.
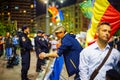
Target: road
[15, 72]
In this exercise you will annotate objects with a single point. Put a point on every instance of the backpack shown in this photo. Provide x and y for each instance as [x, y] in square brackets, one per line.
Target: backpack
[15, 60]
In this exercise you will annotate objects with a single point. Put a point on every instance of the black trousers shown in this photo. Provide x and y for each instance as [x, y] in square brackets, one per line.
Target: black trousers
[77, 77]
[1, 53]
[25, 64]
[14, 49]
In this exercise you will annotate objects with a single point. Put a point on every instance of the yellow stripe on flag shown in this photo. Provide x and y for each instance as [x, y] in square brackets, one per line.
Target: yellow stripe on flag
[99, 9]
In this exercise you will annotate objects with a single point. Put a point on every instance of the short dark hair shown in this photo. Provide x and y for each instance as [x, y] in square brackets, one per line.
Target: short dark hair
[103, 23]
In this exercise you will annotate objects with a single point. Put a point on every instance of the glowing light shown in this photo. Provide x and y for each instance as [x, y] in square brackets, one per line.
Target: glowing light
[61, 1]
[8, 13]
[31, 6]
[24, 11]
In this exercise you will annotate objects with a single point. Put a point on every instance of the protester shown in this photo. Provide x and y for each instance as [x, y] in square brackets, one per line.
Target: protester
[70, 49]
[8, 49]
[8, 45]
[26, 46]
[92, 56]
[15, 44]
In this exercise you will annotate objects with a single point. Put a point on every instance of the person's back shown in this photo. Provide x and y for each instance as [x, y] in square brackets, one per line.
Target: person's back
[15, 44]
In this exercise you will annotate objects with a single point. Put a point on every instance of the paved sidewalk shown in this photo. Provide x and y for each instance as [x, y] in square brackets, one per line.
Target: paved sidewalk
[42, 74]
[15, 72]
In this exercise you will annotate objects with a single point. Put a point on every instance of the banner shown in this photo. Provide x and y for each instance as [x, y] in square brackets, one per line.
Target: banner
[57, 16]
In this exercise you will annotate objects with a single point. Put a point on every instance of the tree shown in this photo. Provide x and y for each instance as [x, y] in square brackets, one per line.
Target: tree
[6, 28]
[2, 29]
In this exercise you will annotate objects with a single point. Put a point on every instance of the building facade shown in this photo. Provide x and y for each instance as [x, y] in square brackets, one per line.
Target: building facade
[73, 21]
[19, 12]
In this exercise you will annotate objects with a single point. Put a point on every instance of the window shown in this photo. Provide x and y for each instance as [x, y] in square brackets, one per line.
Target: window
[16, 7]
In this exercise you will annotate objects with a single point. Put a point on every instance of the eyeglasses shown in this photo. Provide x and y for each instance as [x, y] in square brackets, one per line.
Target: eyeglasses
[58, 33]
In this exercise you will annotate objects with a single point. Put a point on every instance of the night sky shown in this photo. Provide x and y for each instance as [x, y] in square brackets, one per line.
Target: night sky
[41, 7]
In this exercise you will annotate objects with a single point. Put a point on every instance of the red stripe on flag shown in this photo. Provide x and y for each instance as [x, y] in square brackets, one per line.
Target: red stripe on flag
[112, 16]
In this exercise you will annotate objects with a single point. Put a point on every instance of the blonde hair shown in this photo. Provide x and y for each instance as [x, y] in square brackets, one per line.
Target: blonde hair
[59, 29]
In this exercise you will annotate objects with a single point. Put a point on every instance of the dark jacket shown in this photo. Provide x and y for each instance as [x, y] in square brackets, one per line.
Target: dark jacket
[8, 42]
[70, 49]
[38, 46]
[25, 45]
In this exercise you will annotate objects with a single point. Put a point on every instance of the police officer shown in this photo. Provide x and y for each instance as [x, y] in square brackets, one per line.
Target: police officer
[38, 49]
[26, 46]
[45, 46]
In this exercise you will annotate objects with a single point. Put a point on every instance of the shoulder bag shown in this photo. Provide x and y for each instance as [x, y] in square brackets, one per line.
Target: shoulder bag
[95, 72]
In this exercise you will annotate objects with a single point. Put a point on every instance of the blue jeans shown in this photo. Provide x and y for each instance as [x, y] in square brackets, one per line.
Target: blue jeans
[8, 53]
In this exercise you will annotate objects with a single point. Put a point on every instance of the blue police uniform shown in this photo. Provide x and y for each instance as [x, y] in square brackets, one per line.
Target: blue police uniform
[45, 47]
[70, 49]
[38, 50]
[26, 46]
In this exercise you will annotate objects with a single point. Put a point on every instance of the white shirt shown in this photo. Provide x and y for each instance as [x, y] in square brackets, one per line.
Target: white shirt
[90, 59]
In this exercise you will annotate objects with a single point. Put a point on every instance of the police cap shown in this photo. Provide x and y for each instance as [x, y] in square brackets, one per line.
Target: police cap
[39, 31]
[24, 27]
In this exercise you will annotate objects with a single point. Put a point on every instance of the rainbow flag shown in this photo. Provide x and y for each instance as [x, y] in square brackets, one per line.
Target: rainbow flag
[104, 11]
[57, 15]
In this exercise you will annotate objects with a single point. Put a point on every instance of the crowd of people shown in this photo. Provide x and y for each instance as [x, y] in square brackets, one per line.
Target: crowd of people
[8, 45]
[85, 62]
[79, 60]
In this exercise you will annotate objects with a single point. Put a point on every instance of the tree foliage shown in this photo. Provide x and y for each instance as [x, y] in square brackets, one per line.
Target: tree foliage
[2, 29]
[6, 28]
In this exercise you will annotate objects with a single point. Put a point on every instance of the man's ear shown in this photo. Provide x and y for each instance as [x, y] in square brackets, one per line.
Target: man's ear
[96, 34]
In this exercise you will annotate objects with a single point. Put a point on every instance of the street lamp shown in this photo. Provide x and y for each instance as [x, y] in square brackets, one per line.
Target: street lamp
[47, 16]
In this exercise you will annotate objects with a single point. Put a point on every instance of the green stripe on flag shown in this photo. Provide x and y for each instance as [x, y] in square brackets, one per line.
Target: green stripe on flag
[86, 8]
